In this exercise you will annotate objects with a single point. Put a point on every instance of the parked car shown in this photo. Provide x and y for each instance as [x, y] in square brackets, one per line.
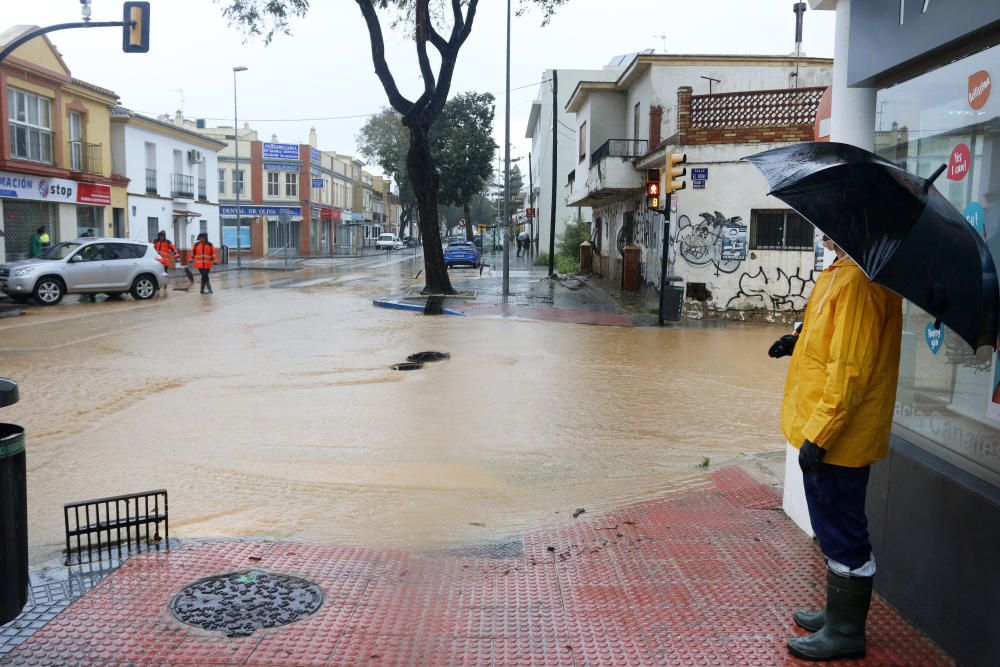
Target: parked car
[85, 266]
[388, 242]
[411, 242]
[461, 252]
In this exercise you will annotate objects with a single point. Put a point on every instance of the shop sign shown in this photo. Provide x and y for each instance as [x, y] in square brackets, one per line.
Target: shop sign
[280, 166]
[317, 182]
[281, 151]
[59, 190]
[91, 193]
[979, 89]
[975, 215]
[314, 155]
[261, 210]
[334, 214]
[326, 214]
[958, 165]
[734, 243]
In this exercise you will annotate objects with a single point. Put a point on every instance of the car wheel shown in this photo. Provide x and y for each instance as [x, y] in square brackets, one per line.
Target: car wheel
[144, 287]
[48, 291]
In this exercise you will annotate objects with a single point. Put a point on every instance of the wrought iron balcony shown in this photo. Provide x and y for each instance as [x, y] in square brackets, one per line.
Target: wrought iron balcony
[202, 189]
[151, 182]
[84, 157]
[181, 185]
[623, 148]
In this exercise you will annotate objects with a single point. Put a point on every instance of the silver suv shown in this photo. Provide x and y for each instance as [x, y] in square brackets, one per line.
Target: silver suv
[85, 266]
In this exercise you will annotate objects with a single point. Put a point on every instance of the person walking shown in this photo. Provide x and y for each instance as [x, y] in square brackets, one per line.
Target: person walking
[35, 243]
[838, 405]
[203, 257]
[167, 250]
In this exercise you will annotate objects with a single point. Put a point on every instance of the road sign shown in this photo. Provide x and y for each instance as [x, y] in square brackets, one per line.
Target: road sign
[699, 174]
[284, 218]
[698, 184]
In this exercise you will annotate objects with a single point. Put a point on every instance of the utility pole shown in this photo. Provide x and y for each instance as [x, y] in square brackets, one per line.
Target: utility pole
[799, 8]
[555, 169]
[531, 207]
[506, 175]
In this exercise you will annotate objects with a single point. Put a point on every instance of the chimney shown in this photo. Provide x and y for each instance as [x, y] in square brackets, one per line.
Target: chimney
[179, 119]
[683, 113]
[655, 125]
[312, 137]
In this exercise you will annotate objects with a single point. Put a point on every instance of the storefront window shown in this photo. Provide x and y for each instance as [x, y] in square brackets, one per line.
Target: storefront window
[950, 116]
[89, 221]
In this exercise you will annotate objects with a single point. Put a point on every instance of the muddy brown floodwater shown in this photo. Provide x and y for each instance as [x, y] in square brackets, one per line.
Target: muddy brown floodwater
[270, 411]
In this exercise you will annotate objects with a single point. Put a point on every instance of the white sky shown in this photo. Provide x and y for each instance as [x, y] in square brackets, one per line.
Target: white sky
[324, 68]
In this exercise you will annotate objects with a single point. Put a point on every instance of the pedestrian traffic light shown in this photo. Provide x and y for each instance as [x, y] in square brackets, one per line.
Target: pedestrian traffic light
[675, 172]
[653, 189]
[135, 32]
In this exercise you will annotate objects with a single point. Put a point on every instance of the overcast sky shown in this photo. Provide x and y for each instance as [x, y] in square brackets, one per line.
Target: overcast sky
[323, 70]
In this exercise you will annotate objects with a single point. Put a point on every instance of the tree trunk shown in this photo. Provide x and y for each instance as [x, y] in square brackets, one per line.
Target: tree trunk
[467, 211]
[424, 178]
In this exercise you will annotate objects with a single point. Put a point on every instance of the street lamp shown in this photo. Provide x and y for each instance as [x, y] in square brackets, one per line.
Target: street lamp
[238, 187]
[506, 177]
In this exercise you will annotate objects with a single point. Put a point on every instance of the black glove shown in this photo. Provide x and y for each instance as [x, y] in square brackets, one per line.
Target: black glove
[783, 347]
[810, 456]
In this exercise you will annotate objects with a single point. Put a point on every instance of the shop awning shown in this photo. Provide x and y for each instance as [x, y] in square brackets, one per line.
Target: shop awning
[187, 214]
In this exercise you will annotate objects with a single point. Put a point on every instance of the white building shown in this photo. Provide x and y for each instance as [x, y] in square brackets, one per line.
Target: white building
[539, 130]
[172, 178]
[627, 126]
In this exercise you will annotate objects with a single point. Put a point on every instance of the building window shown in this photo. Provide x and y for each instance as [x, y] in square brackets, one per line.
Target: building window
[780, 230]
[238, 182]
[291, 184]
[635, 121]
[583, 141]
[152, 228]
[273, 184]
[75, 141]
[222, 181]
[30, 121]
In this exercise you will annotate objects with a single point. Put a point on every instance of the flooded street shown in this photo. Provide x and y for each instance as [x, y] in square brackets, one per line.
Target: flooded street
[270, 409]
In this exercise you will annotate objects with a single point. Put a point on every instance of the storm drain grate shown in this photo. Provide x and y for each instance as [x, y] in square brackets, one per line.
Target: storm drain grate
[239, 603]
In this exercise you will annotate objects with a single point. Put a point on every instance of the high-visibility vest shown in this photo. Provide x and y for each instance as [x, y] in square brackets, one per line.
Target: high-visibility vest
[166, 250]
[203, 255]
[44, 239]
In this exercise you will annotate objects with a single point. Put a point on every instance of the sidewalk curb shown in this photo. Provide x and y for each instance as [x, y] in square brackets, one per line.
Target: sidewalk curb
[412, 307]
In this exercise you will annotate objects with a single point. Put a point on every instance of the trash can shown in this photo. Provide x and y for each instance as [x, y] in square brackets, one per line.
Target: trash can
[672, 303]
[224, 255]
[13, 513]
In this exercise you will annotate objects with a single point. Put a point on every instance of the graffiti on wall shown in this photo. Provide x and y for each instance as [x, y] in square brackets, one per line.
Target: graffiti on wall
[779, 292]
[700, 244]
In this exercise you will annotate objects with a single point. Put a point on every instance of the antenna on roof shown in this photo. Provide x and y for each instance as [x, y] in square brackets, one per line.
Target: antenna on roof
[799, 8]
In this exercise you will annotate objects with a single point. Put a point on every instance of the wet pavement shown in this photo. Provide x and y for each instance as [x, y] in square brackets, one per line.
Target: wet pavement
[705, 576]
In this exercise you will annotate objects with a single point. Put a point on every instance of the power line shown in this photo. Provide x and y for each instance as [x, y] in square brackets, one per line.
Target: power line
[323, 118]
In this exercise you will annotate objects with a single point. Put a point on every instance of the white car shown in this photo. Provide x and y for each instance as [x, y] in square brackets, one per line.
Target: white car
[85, 266]
[388, 242]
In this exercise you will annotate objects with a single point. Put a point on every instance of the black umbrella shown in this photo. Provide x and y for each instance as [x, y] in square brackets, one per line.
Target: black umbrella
[900, 230]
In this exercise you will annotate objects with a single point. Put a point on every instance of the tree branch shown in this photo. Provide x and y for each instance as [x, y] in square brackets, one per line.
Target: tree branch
[396, 99]
[422, 25]
[459, 35]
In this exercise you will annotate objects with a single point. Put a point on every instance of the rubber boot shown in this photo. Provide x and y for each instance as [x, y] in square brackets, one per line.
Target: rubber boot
[813, 621]
[843, 633]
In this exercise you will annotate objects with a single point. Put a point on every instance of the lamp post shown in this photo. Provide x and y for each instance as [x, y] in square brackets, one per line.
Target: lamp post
[506, 174]
[238, 187]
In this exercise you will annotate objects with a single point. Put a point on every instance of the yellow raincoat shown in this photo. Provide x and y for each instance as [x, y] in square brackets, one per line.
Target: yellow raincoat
[841, 386]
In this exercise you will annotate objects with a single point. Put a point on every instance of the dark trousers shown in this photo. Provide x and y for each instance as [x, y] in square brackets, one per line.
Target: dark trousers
[836, 499]
[206, 285]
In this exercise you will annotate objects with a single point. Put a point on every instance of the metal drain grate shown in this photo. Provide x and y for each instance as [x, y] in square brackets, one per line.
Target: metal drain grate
[239, 603]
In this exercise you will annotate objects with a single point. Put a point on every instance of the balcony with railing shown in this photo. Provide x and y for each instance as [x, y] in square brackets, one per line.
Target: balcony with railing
[202, 189]
[610, 175]
[151, 182]
[85, 158]
[182, 186]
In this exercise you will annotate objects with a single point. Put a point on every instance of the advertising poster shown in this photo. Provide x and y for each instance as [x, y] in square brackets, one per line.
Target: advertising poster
[735, 241]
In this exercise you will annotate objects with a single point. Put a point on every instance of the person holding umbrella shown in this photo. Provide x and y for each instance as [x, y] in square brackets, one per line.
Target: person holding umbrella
[839, 398]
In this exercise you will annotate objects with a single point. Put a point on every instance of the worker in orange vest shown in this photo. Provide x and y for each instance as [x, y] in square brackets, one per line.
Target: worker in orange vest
[203, 257]
[166, 249]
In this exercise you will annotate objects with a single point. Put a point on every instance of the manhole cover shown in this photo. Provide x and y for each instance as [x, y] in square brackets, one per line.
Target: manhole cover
[408, 366]
[237, 604]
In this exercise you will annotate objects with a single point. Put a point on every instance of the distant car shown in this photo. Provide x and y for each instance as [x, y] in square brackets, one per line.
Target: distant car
[411, 242]
[85, 266]
[461, 252]
[388, 242]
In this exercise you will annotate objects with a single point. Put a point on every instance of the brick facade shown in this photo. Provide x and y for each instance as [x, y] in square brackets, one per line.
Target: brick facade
[771, 116]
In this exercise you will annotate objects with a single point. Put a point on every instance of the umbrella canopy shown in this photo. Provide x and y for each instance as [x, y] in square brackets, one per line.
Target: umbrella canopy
[900, 230]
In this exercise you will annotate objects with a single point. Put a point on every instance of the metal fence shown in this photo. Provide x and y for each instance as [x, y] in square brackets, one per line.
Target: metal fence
[115, 525]
[624, 148]
[182, 185]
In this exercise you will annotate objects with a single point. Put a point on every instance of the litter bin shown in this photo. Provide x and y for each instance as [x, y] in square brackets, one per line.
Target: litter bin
[13, 513]
[224, 255]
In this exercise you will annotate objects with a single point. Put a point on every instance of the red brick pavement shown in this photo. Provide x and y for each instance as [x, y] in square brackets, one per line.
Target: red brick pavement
[708, 576]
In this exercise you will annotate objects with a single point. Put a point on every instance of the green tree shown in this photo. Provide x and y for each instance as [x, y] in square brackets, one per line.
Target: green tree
[430, 25]
[461, 143]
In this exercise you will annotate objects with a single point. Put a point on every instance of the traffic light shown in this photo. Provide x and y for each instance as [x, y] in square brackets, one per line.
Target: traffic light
[135, 33]
[675, 172]
[653, 189]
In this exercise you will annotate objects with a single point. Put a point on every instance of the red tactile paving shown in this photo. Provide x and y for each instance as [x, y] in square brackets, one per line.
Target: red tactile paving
[708, 577]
